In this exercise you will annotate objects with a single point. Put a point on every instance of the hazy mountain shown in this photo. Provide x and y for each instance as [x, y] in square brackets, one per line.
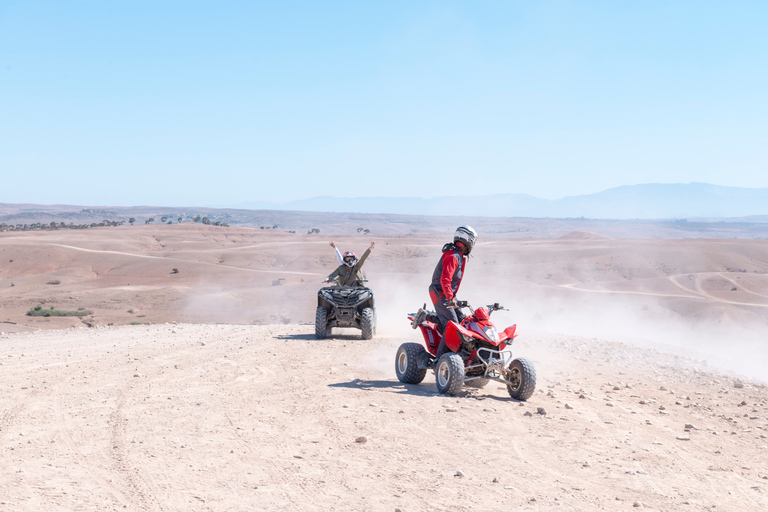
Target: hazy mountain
[648, 201]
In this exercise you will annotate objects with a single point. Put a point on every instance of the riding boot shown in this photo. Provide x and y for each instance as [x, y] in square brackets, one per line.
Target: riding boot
[441, 349]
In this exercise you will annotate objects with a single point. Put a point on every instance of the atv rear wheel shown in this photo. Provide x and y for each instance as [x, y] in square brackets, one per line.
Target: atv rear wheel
[321, 323]
[523, 375]
[367, 324]
[449, 374]
[407, 363]
[477, 383]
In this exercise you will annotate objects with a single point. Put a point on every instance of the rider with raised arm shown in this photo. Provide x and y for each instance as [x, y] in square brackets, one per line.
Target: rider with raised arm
[338, 254]
[349, 273]
[447, 277]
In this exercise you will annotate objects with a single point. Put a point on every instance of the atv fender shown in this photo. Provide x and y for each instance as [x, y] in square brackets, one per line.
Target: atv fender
[508, 334]
[452, 338]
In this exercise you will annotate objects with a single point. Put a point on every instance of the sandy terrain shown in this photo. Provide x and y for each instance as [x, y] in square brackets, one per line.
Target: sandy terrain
[238, 407]
[201, 417]
[690, 294]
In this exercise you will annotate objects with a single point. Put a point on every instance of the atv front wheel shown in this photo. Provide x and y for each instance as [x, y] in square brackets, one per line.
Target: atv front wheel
[523, 377]
[367, 324]
[321, 323]
[407, 363]
[449, 374]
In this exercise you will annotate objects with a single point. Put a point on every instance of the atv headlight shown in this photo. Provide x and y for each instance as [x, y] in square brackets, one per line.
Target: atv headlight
[492, 333]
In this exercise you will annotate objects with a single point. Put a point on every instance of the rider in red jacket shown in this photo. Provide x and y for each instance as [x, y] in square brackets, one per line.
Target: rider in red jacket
[447, 277]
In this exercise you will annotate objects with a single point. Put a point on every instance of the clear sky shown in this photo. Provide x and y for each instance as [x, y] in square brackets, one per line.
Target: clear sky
[219, 103]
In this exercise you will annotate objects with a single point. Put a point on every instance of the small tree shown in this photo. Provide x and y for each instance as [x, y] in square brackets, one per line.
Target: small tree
[179, 220]
[197, 218]
[131, 221]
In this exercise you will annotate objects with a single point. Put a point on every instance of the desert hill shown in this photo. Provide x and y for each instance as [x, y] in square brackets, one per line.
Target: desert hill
[21, 217]
[687, 293]
[583, 235]
[650, 355]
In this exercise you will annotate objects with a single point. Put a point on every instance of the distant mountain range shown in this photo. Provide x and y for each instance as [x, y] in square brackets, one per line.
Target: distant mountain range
[648, 201]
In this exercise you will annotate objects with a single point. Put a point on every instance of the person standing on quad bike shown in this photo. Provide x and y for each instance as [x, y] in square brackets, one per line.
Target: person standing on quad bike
[349, 273]
[447, 277]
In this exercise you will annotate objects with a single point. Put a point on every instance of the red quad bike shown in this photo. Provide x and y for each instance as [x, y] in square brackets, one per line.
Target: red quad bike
[477, 355]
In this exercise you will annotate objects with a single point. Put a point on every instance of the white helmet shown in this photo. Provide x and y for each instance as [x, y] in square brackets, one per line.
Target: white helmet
[467, 235]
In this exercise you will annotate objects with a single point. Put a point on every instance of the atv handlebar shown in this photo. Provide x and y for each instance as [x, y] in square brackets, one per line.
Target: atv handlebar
[491, 307]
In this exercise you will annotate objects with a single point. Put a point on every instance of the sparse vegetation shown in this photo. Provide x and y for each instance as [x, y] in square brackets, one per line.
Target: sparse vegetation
[39, 311]
[38, 226]
[313, 231]
[175, 271]
[130, 311]
[54, 281]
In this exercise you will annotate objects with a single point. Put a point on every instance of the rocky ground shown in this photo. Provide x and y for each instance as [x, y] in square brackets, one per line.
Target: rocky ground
[239, 418]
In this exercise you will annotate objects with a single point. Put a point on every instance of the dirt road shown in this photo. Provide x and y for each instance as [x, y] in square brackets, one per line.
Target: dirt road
[228, 417]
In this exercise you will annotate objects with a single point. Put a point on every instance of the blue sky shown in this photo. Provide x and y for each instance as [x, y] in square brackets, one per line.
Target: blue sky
[219, 103]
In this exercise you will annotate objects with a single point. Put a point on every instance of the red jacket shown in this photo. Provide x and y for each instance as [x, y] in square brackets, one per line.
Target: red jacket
[447, 276]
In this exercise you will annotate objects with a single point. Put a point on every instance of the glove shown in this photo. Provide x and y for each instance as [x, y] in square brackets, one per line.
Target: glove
[451, 304]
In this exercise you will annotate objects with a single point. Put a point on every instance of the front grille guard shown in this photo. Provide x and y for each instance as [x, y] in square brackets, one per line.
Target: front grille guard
[347, 300]
[346, 317]
[495, 363]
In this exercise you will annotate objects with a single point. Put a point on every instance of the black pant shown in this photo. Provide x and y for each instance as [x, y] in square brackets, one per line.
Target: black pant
[445, 315]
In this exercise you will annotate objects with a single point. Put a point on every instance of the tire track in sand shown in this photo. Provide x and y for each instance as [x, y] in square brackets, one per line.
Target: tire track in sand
[144, 497]
[703, 295]
[182, 260]
[84, 462]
